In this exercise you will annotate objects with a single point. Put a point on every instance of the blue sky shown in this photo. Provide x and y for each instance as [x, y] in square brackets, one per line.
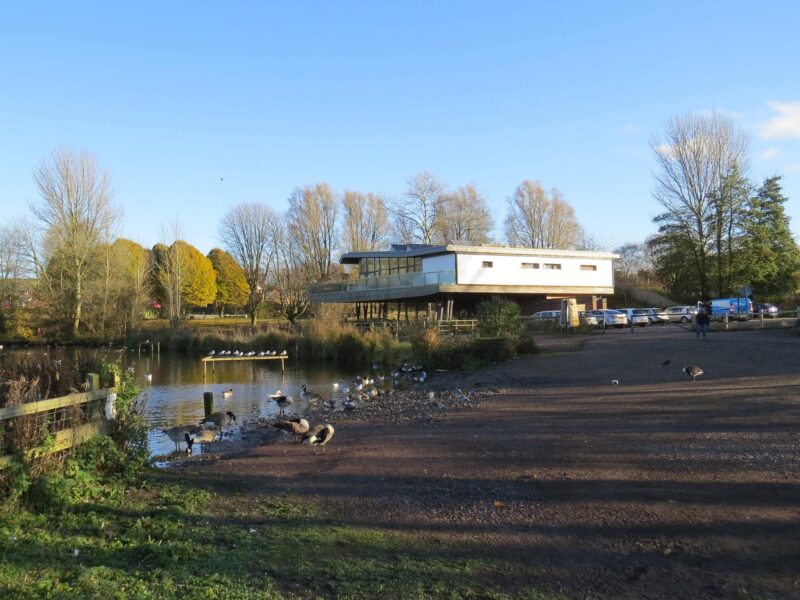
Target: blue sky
[171, 97]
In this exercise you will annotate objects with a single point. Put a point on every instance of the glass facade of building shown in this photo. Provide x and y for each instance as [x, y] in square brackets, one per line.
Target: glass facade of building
[378, 267]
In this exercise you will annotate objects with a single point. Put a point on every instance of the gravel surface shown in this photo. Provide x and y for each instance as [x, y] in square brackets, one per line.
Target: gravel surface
[658, 487]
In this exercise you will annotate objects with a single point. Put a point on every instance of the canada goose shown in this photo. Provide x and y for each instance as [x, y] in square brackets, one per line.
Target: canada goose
[308, 395]
[219, 419]
[294, 427]
[205, 436]
[177, 433]
[228, 393]
[319, 435]
[282, 400]
[693, 371]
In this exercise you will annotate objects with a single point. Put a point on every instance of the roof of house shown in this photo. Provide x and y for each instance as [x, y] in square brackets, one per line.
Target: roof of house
[415, 250]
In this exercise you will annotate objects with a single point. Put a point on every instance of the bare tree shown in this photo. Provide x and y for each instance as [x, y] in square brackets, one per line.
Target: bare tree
[464, 216]
[416, 213]
[366, 222]
[169, 269]
[76, 214]
[289, 275]
[695, 156]
[312, 221]
[537, 219]
[247, 232]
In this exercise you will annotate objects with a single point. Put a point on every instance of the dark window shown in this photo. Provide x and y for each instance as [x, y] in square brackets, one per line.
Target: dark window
[487, 264]
[588, 267]
[553, 266]
[530, 265]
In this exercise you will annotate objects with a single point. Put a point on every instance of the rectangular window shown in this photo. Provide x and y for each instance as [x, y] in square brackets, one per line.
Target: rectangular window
[530, 265]
[487, 264]
[552, 266]
[588, 267]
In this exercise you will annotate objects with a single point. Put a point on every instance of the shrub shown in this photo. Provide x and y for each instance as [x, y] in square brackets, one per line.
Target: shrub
[499, 317]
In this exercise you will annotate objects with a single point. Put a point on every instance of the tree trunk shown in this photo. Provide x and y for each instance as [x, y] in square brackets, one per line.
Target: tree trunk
[78, 304]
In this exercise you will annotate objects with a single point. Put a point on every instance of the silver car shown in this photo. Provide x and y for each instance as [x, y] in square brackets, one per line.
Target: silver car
[681, 314]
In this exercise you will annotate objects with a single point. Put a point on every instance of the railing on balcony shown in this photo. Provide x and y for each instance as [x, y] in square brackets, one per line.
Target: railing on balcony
[385, 282]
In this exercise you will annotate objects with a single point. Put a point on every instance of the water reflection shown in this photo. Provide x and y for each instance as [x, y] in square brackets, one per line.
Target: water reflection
[174, 395]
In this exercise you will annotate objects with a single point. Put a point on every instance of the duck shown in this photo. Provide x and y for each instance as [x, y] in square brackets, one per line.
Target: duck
[228, 393]
[219, 419]
[693, 371]
[282, 400]
[177, 433]
[319, 435]
[308, 395]
[294, 427]
[206, 436]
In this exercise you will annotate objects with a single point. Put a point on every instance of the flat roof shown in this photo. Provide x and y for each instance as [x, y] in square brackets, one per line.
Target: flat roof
[414, 250]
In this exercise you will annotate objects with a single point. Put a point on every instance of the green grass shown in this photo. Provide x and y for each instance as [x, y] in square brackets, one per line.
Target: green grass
[168, 539]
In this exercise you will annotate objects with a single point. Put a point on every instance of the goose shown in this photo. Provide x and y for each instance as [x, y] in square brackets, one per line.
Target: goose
[228, 393]
[177, 433]
[349, 404]
[693, 371]
[319, 435]
[294, 427]
[282, 400]
[308, 395]
[219, 419]
[206, 436]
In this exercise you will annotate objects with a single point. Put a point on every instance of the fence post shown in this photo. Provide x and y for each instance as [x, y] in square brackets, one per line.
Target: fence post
[92, 382]
[208, 403]
[725, 322]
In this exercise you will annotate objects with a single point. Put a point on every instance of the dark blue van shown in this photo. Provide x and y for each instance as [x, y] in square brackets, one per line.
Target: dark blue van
[736, 308]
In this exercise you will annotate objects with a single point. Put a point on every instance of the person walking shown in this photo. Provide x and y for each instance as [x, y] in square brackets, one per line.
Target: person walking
[701, 321]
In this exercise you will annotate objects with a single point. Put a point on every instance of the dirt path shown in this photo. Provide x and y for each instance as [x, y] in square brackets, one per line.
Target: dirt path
[654, 488]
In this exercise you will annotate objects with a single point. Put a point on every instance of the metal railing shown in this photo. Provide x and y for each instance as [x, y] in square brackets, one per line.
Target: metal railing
[385, 282]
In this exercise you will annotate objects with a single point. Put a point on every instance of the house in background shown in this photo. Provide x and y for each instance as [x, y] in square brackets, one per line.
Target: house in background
[448, 280]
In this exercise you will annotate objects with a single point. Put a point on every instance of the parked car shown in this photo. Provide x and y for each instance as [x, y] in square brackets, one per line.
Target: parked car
[657, 316]
[681, 314]
[547, 316]
[637, 316]
[607, 317]
[765, 308]
[736, 308]
[587, 318]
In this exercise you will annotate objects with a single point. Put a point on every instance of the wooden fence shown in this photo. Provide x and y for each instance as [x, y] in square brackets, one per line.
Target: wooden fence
[70, 419]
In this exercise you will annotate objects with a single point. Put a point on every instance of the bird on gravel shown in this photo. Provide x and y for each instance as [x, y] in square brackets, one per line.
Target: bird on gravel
[615, 382]
[319, 435]
[219, 419]
[177, 433]
[282, 400]
[693, 371]
[294, 427]
[665, 363]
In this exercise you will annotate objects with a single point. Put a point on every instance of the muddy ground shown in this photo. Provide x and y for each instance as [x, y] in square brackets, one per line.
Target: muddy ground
[658, 487]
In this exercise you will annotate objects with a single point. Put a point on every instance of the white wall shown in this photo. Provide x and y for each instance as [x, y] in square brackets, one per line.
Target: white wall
[507, 270]
[442, 262]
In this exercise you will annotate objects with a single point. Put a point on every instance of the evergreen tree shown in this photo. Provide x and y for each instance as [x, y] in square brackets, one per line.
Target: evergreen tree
[770, 256]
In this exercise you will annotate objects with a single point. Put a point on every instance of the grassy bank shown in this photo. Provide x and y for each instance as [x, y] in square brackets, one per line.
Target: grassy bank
[317, 340]
[168, 538]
